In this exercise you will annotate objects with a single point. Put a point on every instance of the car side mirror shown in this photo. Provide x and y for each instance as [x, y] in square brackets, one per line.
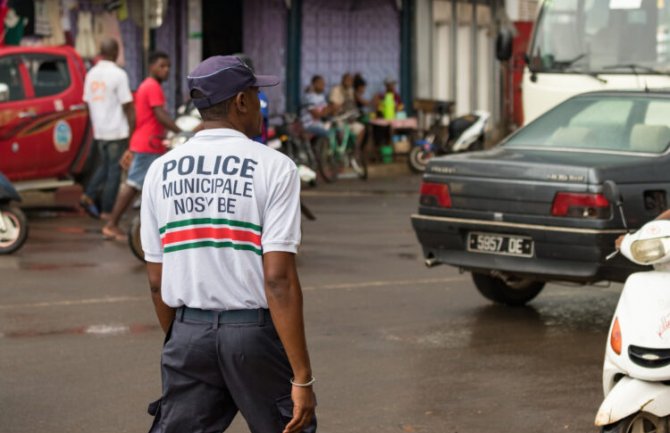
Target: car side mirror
[504, 44]
[4, 92]
[612, 193]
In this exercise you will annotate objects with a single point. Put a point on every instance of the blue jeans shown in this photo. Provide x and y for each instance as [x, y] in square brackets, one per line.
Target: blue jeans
[139, 167]
[107, 175]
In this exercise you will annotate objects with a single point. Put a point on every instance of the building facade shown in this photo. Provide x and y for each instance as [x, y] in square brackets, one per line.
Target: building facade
[436, 49]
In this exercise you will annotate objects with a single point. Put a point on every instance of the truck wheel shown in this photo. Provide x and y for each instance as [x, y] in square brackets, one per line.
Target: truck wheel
[513, 291]
[13, 229]
[639, 422]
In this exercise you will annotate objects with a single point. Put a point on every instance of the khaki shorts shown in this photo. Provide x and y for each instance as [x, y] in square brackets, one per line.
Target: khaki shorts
[356, 127]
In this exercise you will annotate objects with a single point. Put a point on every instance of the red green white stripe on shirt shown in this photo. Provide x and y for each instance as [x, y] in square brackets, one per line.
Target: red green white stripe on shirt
[211, 233]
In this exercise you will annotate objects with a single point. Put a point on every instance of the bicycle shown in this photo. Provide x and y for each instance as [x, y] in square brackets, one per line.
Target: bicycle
[339, 150]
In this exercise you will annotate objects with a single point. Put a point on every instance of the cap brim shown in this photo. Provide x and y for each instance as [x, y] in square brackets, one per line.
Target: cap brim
[266, 80]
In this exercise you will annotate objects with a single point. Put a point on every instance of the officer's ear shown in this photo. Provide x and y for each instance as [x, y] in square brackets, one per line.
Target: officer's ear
[241, 102]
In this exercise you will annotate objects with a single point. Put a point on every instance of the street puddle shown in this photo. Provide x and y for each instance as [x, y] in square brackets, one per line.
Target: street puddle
[453, 339]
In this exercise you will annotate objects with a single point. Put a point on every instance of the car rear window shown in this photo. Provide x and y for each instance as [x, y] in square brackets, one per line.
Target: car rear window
[636, 124]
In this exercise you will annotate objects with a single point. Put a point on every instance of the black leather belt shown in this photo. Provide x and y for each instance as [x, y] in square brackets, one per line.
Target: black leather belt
[223, 317]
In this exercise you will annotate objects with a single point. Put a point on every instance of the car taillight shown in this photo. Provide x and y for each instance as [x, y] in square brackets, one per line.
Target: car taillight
[435, 194]
[578, 205]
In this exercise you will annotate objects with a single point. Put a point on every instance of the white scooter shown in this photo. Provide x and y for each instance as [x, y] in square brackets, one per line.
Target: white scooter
[636, 372]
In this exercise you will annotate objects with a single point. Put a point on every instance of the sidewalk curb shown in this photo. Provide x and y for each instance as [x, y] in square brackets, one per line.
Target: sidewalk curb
[380, 170]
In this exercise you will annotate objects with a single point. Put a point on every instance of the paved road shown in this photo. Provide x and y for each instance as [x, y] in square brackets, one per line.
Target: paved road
[396, 347]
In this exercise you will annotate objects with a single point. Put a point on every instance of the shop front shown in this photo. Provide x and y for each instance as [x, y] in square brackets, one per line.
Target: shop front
[294, 39]
[138, 26]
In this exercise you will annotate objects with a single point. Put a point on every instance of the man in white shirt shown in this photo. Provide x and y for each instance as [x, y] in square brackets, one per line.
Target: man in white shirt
[110, 106]
[220, 230]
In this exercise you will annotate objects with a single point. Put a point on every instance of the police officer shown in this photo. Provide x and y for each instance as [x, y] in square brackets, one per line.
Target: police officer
[220, 230]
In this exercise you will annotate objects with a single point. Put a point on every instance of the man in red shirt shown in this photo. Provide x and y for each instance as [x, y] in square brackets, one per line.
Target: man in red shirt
[146, 143]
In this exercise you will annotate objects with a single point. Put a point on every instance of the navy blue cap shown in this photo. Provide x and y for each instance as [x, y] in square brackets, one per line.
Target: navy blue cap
[222, 77]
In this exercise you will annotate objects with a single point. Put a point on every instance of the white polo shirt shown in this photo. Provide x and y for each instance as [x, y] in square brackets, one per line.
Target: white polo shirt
[210, 209]
[106, 90]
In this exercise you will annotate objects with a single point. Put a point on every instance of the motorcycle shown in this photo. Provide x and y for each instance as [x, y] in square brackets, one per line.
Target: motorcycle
[13, 222]
[463, 134]
[636, 370]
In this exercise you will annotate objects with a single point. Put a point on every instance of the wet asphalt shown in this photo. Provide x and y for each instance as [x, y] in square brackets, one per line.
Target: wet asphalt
[395, 347]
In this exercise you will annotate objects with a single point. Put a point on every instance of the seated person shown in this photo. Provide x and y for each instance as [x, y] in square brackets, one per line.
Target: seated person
[315, 108]
[389, 84]
[343, 100]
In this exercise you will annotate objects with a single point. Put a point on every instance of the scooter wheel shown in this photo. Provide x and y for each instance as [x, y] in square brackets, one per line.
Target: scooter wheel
[134, 239]
[13, 229]
[418, 159]
[641, 422]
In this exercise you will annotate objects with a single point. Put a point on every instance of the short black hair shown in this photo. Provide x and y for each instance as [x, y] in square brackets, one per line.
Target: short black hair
[315, 78]
[156, 56]
[215, 112]
[359, 81]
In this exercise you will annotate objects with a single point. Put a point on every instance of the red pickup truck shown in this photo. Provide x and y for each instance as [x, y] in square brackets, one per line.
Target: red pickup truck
[45, 134]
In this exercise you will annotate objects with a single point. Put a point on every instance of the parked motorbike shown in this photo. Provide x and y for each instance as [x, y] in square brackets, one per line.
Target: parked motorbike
[463, 134]
[13, 222]
[636, 371]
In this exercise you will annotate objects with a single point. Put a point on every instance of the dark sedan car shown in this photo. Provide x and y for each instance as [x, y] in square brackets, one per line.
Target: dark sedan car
[532, 209]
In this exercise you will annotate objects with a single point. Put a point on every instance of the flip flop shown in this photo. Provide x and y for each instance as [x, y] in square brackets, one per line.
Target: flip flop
[111, 235]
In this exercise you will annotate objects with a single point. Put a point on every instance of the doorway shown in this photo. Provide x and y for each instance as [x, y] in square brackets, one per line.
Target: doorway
[221, 27]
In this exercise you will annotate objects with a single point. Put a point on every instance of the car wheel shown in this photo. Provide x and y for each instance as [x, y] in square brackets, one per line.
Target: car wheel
[13, 229]
[512, 291]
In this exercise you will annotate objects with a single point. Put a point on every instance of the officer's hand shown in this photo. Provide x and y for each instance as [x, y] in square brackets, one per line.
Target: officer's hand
[304, 403]
[618, 241]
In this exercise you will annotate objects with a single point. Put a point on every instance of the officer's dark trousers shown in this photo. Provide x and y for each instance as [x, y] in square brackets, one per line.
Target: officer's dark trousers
[213, 370]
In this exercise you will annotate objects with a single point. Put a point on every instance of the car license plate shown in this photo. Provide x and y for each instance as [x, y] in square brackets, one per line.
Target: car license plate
[492, 243]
